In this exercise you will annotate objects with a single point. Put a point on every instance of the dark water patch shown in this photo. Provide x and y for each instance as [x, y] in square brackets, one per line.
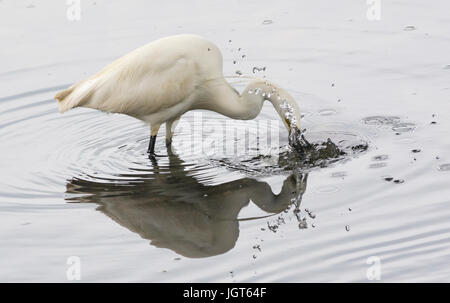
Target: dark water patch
[327, 148]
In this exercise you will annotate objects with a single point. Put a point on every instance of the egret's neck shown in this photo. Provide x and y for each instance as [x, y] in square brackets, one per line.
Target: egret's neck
[222, 98]
[259, 90]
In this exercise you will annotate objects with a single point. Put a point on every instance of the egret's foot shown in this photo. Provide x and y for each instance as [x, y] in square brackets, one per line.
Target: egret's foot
[154, 155]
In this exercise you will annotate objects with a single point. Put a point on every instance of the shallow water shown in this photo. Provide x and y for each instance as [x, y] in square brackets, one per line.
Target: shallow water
[81, 184]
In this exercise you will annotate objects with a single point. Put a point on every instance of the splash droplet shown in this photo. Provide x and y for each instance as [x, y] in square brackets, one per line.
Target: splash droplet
[444, 167]
[409, 28]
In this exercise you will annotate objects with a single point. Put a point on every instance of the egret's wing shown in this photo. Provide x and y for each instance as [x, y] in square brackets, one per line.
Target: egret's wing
[140, 83]
[150, 79]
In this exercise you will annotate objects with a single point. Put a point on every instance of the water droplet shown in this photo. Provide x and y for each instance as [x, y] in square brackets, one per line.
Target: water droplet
[238, 72]
[259, 69]
[416, 150]
[347, 227]
[409, 28]
[444, 167]
[265, 22]
[399, 181]
[380, 158]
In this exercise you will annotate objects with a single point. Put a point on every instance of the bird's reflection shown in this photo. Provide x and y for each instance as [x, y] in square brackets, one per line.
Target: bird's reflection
[174, 210]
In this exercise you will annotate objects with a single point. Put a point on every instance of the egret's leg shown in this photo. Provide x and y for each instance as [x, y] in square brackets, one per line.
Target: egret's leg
[170, 129]
[151, 146]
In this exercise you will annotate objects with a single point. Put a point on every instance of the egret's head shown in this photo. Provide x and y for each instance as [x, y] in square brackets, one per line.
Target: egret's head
[288, 111]
[285, 106]
[290, 115]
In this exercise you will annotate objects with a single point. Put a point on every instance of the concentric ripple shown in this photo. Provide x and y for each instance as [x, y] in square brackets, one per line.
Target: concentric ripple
[111, 148]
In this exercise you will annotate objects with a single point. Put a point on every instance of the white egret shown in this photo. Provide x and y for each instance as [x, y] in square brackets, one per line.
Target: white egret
[160, 81]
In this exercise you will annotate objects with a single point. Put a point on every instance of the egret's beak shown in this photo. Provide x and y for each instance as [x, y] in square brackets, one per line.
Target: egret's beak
[288, 111]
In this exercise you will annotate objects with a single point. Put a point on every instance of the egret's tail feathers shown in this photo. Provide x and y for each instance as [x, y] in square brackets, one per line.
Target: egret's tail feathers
[75, 96]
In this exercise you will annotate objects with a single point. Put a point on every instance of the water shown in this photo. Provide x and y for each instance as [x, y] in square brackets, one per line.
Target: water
[81, 184]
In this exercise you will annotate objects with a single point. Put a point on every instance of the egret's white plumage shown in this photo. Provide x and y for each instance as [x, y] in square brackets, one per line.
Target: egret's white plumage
[162, 80]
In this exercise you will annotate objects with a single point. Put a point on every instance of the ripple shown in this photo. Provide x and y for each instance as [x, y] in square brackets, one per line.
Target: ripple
[90, 146]
[394, 122]
[327, 189]
[327, 112]
[378, 165]
[381, 120]
[404, 127]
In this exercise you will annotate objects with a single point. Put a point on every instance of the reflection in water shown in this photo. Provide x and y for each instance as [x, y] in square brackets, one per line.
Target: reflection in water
[173, 210]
